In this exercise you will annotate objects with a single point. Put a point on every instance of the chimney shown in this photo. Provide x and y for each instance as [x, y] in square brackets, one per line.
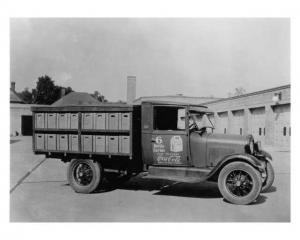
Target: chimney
[62, 92]
[131, 88]
[13, 86]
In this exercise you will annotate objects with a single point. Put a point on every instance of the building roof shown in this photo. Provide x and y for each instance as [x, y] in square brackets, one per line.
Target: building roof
[176, 98]
[76, 99]
[14, 97]
[249, 94]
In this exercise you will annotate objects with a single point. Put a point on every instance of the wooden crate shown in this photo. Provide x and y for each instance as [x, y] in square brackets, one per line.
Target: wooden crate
[62, 142]
[63, 120]
[51, 120]
[87, 143]
[39, 141]
[39, 120]
[73, 143]
[74, 120]
[99, 121]
[124, 144]
[87, 120]
[99, 143]
[124, 121]
[51, 142]
[112, 144]
[113, 121]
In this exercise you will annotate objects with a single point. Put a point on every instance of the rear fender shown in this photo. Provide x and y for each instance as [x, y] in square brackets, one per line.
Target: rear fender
[247, 158]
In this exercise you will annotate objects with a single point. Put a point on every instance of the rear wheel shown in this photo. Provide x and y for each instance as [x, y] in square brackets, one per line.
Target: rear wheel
[239, 183]
[84, 175]
[270, 178]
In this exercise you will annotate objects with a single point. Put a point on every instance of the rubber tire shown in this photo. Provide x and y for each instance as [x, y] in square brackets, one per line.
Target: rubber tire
[270, 178]
[97, 175]
[256, 178]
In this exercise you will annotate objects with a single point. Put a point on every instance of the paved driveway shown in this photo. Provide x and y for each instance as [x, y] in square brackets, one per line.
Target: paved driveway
[46, 196]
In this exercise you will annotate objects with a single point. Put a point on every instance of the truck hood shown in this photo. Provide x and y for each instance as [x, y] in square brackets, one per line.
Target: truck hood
[227, 139]
[221, 145]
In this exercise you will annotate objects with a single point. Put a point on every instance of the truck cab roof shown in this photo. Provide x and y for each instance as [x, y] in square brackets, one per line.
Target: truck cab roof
[191, 107]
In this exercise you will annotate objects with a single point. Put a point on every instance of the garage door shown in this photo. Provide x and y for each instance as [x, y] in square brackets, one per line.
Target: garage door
[237, 122]
[222, 123]
[282, 127]
[257, 123]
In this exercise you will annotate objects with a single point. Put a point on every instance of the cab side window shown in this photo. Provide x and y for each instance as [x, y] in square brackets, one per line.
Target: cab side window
[169, 118]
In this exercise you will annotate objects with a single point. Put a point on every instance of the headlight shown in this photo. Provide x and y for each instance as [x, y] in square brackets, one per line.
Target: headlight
[257, 146]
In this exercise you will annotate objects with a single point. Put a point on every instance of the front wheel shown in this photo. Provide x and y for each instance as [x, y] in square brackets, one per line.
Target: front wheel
[84, 175]
[239, 183]
[270, 178]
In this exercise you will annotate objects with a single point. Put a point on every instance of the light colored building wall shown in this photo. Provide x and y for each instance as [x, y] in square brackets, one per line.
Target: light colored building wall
[16, 112]
[267, 120]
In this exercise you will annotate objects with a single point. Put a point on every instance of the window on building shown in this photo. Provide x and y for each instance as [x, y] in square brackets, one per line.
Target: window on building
[259, 131]
[169, 118]
[284, 131]
[290, 131]
[241, 131]
[264, 131]
[224, 130]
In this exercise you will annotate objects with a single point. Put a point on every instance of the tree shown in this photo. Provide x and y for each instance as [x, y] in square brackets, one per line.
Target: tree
[68, 90]
[27, 96]
[46, 91]
[237, 92]
[99, 96]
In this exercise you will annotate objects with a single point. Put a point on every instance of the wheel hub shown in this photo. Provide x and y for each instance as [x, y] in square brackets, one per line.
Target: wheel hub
[83, 174]
[239, 183]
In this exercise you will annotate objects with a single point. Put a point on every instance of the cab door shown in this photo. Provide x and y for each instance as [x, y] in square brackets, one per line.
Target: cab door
[167, 138]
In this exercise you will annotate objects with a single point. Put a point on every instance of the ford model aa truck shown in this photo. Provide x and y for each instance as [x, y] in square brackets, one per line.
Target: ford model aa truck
[162, 139]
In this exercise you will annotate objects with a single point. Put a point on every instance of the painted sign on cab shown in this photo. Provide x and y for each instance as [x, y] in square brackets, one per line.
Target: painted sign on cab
[176, 144]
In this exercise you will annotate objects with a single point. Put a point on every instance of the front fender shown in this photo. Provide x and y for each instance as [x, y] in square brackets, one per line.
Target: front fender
[252, 160]
[266, 155]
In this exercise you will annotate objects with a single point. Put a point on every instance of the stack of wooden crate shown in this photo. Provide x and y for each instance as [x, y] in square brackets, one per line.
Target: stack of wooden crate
[99, 132]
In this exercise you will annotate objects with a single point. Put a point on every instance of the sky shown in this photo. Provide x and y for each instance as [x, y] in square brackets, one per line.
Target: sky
[190, 56]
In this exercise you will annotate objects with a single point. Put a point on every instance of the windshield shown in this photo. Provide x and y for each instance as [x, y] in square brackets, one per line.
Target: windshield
[201, 120]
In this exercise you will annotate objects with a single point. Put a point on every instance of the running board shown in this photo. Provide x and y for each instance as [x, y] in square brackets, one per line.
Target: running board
[182, 174]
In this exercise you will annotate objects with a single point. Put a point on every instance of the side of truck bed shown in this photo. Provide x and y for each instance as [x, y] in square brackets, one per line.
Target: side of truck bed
[89, 131]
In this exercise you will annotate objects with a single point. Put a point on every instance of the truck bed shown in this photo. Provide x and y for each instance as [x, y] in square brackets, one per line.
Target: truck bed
[84, 130]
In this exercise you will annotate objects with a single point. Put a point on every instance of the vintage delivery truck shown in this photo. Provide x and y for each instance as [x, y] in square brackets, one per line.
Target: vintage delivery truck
[164, 140]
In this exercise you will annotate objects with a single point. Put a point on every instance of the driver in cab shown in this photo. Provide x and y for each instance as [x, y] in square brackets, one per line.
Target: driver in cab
[200, 122]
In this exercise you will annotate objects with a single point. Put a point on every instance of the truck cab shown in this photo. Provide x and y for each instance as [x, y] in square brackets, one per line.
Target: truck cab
[179, 143]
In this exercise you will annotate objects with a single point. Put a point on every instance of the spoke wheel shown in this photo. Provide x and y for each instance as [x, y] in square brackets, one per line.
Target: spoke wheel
[239, 183]
[84, 175]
